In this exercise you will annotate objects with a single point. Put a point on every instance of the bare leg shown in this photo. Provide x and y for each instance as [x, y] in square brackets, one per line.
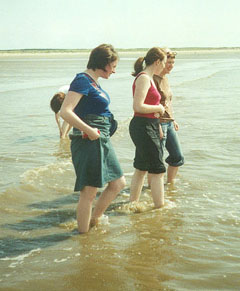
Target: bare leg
[106, 198]
[171, 174]
[65, 127]
[136, 185]
[84, 208]
[149, 179]
[157, 189]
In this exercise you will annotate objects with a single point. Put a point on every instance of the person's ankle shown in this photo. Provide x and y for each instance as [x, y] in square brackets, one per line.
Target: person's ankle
[93, 222]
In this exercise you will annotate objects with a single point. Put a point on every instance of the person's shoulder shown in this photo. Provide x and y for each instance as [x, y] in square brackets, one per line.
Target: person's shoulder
[143, 78]
[157, 78]
[82, 76]
[164, 80]
[80, 84]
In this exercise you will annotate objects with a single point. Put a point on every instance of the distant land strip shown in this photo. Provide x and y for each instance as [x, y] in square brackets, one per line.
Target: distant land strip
[117, 49]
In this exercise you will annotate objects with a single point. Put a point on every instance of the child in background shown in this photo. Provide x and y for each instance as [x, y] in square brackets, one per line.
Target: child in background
[55, 104]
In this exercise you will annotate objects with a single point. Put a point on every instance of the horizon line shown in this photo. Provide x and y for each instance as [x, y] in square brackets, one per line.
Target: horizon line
[123, 49]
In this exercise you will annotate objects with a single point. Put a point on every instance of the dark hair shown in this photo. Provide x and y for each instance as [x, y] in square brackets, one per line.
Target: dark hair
[56, 101]
[154, 54]
[101, 56]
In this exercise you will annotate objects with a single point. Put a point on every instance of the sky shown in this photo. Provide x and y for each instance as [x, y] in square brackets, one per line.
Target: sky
[84, 24]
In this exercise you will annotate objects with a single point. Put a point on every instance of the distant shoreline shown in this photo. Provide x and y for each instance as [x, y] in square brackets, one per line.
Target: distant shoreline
[121, 52]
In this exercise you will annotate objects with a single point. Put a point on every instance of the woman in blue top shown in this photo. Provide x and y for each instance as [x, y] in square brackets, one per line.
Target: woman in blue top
[86, 108]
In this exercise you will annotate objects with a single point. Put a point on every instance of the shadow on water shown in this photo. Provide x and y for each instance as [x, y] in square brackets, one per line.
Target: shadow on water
[11, 247]
[47, 220]
[69, 199]
[55, 217]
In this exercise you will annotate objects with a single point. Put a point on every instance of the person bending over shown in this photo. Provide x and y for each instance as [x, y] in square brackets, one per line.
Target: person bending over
[55, 104]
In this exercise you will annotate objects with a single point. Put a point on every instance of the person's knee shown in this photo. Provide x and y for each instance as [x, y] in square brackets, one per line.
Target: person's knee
[157, 175]
[117, 185]
[88, 194]
[121, 183]
[140, 173]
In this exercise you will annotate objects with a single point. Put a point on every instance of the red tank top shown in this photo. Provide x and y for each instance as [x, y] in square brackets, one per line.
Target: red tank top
[153, 98]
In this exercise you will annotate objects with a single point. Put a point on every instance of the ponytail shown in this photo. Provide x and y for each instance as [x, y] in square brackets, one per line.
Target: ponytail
[154, 54]
[138, 66]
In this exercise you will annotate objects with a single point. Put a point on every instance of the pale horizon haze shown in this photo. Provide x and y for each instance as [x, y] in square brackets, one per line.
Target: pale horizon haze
[84, 24]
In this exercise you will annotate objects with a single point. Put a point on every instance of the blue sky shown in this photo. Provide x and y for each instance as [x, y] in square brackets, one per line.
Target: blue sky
[76, 24]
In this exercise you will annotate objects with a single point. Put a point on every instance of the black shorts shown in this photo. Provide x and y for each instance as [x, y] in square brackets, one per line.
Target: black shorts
[144, 133]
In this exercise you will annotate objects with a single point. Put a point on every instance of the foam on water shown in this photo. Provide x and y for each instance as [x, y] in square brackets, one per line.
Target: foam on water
[19, 259]
[52, 176]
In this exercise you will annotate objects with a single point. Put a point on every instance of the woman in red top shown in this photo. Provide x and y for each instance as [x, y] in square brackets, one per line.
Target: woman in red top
[144, 127]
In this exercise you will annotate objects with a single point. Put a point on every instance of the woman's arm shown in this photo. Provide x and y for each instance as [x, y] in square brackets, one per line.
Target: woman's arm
[67, 113]
[142, 86]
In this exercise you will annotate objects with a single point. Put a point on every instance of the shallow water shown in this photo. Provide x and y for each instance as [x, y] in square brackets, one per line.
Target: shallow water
[190, 244]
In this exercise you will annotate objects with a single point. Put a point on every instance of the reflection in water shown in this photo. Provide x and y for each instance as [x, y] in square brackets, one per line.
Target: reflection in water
[132, 253]
[153, 248]
[63, 149]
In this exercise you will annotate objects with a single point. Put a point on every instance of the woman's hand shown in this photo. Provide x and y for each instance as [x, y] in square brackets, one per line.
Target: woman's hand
[176, 126]
[93, 135]
[161, 132]
[161, 109]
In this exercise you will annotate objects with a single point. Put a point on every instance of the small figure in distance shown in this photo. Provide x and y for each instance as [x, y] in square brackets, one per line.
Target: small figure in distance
[55, 104]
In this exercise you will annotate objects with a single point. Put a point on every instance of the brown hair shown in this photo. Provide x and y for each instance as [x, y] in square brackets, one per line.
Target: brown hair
[56, 101]
[101, 56]
[171, 55]
[154, 54]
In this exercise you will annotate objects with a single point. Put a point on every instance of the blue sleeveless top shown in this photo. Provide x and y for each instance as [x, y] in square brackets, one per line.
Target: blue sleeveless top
[94, 101]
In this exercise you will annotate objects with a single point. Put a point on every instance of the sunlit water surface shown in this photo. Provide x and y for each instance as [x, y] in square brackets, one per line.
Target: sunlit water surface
[190, 244]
